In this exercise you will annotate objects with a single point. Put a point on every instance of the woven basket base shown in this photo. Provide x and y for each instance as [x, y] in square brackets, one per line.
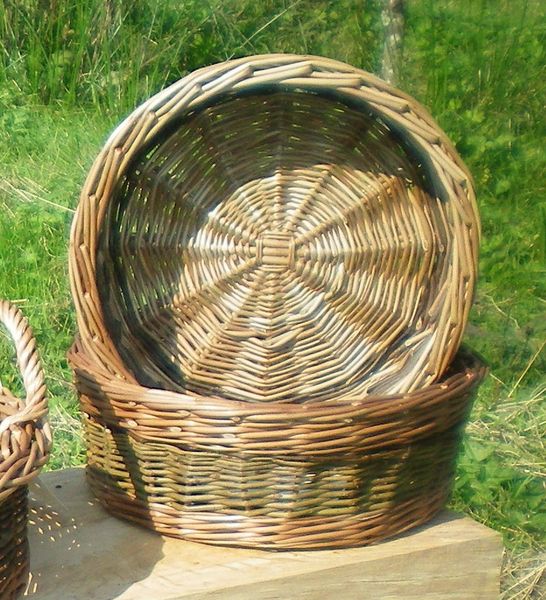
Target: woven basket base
[270, 503]
[276, 228]
[14, 557]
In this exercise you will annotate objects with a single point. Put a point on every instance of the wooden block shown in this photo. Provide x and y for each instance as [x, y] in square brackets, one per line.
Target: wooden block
[79, 552]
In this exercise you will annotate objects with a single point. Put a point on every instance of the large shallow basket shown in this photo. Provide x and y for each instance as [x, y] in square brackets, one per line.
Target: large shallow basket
[276, 228]
[25, 440]
[273, 475]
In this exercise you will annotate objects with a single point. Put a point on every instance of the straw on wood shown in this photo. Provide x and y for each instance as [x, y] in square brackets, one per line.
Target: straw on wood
[276, 228]
[25, 440]
[272, 475]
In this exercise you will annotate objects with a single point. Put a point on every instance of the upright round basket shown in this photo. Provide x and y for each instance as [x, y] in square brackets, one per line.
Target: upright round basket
[276, 229]
[25, 440]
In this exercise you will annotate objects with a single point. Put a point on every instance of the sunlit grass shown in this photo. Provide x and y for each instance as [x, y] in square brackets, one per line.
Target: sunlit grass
[479, 66]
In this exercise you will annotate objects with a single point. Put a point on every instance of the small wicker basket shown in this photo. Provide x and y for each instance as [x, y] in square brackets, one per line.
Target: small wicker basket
[25, 441]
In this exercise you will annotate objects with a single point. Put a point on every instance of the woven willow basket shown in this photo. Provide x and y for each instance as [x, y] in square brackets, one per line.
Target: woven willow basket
[276, 229]
[273, 475]
[25, 440]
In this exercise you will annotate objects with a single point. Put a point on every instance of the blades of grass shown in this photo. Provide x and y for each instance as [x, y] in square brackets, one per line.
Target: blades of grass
[526, 370]
[264, 27]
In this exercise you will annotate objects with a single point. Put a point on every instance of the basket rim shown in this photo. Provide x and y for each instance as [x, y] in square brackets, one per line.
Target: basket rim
[287, 72]
[317, 428]
[474, 367]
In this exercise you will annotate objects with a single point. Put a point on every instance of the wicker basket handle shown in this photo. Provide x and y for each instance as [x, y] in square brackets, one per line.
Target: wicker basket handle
[30, 366]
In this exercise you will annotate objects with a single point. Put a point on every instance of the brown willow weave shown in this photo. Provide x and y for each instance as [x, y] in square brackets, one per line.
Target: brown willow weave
[273, 475]
[276, 228]
[25, 440]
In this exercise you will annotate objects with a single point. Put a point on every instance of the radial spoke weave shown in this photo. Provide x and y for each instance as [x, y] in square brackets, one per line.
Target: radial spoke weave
[272, 264]
[335, 192]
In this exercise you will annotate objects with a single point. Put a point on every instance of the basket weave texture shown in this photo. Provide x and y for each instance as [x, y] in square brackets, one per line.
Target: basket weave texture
[273, 475]
[25, 441]
[276, 229]
[272, 263]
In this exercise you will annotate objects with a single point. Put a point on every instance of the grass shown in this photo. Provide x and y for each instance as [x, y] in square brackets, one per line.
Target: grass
[44, 154]
[478, 65]
[114, 54]
[485, 84]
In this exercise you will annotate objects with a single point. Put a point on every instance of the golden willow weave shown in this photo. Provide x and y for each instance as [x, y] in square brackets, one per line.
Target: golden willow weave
[273, 475]
[276, 229]
[25, 440]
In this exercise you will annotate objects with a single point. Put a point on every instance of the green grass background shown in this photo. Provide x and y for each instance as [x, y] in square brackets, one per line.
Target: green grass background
[70, 70]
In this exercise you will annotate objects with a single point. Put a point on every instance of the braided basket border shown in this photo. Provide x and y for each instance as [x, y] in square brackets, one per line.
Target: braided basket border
[316, 429]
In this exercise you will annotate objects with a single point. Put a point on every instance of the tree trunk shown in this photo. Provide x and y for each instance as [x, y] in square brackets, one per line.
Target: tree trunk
[392, 17]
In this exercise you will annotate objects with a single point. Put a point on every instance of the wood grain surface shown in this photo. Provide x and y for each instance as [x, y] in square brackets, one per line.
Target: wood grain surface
[80, 552]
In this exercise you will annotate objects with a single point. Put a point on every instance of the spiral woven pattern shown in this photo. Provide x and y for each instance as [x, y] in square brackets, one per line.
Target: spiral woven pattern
[25, 440]
[273, 475]
[276, 229]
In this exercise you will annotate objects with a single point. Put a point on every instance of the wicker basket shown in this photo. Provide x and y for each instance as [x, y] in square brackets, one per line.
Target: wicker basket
[273, 475]
[272, 264]
[25, 440]
[276, 229]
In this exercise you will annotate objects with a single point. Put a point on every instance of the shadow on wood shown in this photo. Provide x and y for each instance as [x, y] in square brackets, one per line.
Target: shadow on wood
[79, 551]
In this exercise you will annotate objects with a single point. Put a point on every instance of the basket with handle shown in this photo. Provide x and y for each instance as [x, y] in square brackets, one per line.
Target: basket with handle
[25, 441]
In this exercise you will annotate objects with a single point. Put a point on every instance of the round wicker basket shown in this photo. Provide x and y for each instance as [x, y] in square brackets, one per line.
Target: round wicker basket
[273, 475]
[25, 440]
[276, 229]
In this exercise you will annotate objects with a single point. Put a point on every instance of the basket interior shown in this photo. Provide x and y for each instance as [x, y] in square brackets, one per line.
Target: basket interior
[276, 247]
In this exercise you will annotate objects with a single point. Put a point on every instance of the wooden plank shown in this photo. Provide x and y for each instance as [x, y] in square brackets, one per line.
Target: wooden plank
[79, 552]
